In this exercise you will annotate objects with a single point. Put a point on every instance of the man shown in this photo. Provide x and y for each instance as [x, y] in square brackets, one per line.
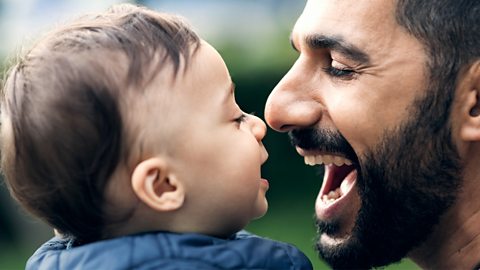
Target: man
[385, 94]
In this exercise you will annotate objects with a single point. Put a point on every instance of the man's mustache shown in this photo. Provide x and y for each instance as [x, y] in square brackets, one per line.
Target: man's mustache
[322, 140]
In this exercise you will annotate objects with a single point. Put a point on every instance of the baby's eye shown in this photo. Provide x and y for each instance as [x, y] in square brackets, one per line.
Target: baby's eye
[242, 118]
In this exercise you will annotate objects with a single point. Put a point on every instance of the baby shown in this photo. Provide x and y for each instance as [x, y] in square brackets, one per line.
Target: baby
[121, 131]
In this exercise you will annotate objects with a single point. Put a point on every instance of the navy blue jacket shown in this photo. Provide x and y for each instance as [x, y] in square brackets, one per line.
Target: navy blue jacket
[164, 250]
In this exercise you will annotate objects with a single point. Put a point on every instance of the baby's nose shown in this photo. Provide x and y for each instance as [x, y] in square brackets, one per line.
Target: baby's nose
[259, 128]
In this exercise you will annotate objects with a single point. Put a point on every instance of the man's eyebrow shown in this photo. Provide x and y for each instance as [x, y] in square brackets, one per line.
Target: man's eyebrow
[335, 44]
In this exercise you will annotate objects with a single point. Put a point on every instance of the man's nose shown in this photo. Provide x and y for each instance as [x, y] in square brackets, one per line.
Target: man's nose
[292, 104]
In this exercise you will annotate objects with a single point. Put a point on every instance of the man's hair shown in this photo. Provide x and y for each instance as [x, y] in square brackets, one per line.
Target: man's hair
[449, 31]
[63, 134]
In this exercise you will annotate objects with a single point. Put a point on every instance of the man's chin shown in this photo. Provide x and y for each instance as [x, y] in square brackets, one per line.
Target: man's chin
[341, 252]
[330, 242]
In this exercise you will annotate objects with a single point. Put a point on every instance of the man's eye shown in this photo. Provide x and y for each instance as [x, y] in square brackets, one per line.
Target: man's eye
[343, 73]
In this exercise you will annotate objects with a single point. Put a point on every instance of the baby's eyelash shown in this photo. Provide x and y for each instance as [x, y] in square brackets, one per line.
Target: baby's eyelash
[242, 118]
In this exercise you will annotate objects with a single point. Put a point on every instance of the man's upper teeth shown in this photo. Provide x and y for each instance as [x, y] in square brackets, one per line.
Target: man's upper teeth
[327, 160]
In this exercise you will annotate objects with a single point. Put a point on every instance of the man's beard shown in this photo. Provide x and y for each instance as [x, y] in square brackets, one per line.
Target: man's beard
[405, 184]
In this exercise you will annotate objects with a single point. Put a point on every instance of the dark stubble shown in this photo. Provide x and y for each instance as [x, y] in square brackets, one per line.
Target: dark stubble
[405, 184]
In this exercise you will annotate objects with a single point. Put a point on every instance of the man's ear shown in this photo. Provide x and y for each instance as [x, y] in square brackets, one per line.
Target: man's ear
[470, 129]
[156, 186]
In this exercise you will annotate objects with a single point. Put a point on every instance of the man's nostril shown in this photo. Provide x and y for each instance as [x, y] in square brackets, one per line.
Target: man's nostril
[286, 128]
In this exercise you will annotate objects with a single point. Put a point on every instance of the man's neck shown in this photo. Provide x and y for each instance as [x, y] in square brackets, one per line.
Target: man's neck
[455, 242]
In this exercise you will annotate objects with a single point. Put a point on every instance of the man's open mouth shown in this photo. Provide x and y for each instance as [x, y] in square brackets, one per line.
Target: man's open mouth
[337, 168]
[338, 182]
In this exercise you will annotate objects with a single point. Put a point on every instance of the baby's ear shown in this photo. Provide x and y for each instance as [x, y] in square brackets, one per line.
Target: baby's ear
[470, 129]
[155, 186]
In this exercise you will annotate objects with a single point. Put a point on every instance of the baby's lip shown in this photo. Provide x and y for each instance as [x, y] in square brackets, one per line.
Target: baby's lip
[265, 183]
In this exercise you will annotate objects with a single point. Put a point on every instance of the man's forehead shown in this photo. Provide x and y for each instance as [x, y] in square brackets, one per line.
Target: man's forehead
[356, 22]
[355, 4]
[354, 14]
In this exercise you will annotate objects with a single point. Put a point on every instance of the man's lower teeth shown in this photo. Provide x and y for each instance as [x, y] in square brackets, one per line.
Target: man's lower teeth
[332, 196]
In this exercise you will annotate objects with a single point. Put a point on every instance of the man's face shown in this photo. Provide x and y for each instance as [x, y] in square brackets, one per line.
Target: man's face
[357, 100]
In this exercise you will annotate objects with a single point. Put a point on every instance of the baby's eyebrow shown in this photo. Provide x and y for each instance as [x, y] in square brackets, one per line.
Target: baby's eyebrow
[229, 94]
[232, 88]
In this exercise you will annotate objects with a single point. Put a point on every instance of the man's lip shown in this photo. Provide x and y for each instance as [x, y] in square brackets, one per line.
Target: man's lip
[302, 152]
[317, 157]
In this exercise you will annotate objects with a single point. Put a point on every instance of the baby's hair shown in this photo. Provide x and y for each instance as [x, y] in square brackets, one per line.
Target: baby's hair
[62, 133]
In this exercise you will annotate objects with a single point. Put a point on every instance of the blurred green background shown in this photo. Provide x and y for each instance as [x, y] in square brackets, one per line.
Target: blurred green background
[252, 36]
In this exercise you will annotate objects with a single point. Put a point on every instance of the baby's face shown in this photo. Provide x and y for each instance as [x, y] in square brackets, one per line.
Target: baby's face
[218, 150]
